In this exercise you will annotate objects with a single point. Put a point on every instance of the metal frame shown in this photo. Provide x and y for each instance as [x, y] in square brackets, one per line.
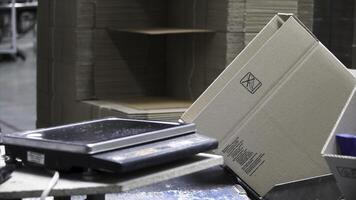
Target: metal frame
[23, 140]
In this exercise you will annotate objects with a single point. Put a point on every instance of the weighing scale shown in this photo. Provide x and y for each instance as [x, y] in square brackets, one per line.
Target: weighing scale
[112, 145]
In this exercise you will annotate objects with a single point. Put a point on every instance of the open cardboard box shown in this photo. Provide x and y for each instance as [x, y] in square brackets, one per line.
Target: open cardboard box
[343, 167]
[274, 106]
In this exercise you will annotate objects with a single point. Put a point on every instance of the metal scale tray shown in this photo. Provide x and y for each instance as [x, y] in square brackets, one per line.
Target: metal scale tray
[112, 144]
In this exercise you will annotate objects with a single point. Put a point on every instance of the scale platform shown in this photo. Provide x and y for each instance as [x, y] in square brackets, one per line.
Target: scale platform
[112, 145]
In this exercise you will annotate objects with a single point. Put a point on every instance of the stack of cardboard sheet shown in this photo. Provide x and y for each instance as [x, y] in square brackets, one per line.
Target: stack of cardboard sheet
[44, 68]
[306, 12]
[140, 69]
[128, 64]
[86, 52]
[227, 18]
[80, 59]
[239, 21]
[258, 13]
[334, 23]
[151, 108]
[321, 24]
[341, 22]
[65, 59]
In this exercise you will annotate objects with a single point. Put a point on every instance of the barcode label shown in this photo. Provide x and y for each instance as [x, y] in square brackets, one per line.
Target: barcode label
[34, 157]
[249, 161]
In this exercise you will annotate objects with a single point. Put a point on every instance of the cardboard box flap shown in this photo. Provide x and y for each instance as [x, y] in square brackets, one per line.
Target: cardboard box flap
[272, 110]
[287, 132]
[195, 109]
[285, 17]
[237, 102]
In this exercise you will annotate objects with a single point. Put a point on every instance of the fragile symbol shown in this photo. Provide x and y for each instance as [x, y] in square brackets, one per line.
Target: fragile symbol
[251, 83]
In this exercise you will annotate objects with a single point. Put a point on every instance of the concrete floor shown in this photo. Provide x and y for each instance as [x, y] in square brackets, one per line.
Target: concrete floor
[18, 89]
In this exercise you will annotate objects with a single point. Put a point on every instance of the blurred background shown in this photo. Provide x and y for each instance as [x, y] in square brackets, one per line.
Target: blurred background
[17, 65]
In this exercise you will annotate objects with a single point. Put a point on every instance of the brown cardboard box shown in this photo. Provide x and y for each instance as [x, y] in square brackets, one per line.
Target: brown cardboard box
[273, 107]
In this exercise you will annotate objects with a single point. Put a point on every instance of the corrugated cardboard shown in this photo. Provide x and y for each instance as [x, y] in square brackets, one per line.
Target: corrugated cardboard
[148, 108]
[274, 106]
[343, 167]
[113, 65]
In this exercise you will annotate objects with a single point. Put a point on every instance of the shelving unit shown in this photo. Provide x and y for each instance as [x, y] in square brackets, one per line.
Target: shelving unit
[102, 59]
[156, 70]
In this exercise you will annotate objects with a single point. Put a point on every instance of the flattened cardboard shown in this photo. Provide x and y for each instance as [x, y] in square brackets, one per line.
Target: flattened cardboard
[148, 108]
[111, 65]
[274, 106]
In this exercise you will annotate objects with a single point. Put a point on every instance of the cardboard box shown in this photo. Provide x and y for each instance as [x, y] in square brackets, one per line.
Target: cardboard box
[343, 167]
[274, 106]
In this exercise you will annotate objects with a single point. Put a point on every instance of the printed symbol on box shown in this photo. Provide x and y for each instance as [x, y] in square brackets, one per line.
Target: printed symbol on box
[251, 83]
[347, 172]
